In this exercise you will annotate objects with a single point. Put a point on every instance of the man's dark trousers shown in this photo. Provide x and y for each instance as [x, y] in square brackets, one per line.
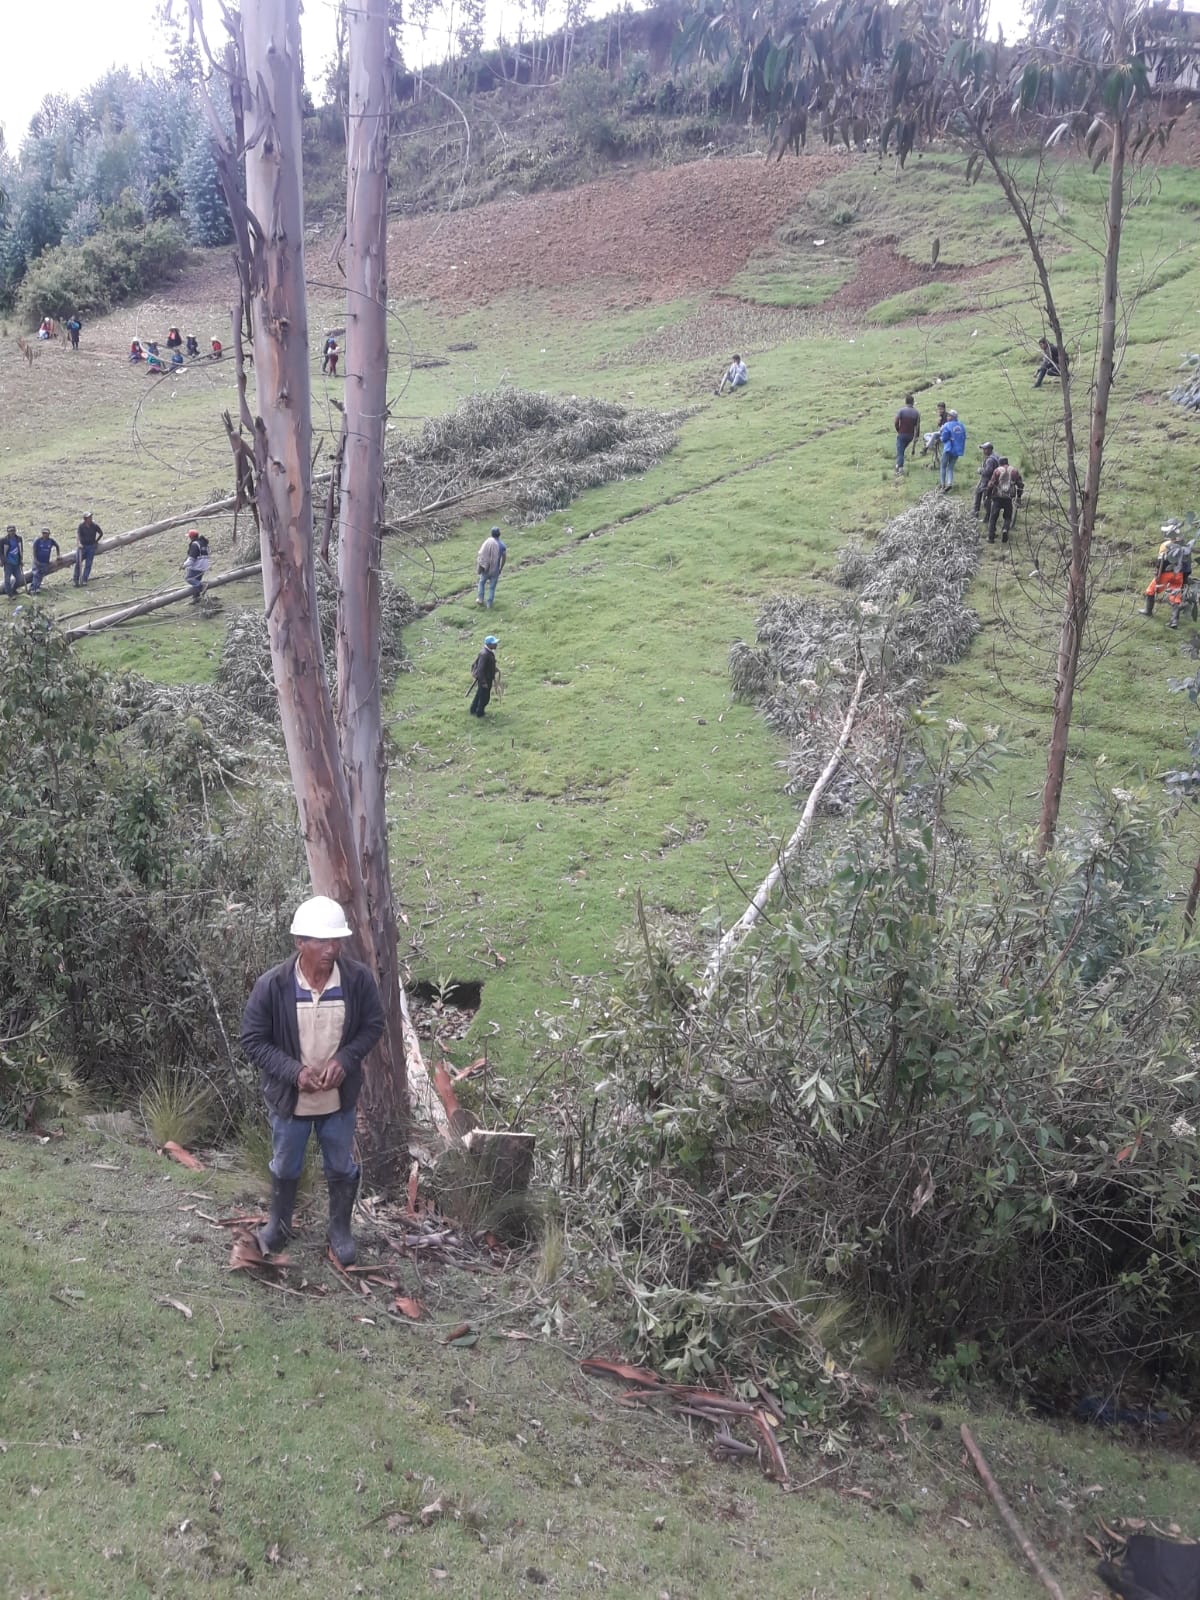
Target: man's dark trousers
[483, 693]
[995, 507]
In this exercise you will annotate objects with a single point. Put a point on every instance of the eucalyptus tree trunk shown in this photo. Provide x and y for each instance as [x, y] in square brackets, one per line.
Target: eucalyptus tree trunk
[1083, 527]
[282, 427]
[383, 1124]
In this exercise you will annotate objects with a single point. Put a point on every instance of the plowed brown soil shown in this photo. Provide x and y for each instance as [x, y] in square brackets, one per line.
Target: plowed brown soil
[636, 238]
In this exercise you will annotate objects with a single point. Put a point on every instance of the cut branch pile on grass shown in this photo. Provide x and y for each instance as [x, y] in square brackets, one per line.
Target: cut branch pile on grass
[906, 615]
[536, 451]
[1187, 393]
[245, 685]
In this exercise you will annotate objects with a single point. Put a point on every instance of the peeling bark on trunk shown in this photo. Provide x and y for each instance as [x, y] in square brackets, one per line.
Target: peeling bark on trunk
[274, 277]
[383, 1129]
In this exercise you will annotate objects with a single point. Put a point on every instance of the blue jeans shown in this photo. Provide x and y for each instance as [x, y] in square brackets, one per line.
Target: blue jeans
[12, 579]
[335, 1135]
[490, 585]
[85, 554]
[40, 570]
[946, 472]
[902, 445]
[1046, 370]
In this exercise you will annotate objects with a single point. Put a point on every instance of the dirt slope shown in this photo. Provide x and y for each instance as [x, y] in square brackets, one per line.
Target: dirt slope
[638, 237]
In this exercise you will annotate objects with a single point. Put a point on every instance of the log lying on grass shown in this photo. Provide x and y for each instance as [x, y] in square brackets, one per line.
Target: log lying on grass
[156, 602]
[733, 939]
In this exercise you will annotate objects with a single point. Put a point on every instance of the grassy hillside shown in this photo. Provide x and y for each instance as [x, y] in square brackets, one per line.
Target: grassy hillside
[290, 1441]
[616, 760]
[270, 1438]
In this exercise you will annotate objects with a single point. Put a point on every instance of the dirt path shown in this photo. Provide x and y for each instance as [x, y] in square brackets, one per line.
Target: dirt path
[636, 238]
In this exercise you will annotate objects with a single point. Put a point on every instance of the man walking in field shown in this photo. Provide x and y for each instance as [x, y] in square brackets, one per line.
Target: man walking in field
[908, 428]
[1051, 362]
[308, 1025]
[1004, 493]
[489, 564]
[990, 462]
[485, 670]
[954, 443]
[87, 537]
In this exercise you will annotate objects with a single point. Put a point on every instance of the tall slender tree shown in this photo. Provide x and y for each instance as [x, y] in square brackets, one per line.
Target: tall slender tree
[274, 451]
[359, 707]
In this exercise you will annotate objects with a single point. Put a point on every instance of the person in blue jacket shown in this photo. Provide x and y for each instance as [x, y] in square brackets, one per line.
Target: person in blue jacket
[954, 444]
[45, 550]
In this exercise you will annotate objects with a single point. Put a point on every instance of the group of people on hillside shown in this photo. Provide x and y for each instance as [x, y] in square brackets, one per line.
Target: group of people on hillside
[48, 330]
[178, 347]
[999, 486]
[45, 552]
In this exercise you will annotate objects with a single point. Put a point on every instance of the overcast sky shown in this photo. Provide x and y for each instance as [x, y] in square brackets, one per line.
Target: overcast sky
[69, 45]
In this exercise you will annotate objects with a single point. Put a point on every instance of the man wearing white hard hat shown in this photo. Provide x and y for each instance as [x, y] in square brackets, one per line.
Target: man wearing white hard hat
[309, 1024]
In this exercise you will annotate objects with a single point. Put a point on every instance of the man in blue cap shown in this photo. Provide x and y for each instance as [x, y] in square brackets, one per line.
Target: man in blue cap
[485, 670]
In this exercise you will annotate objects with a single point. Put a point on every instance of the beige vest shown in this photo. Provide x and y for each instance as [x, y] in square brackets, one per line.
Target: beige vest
[320, 1023]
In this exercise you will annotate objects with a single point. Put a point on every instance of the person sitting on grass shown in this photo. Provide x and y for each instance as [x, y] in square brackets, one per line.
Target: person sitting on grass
[736, 376]
[215, 349]
[135, 351]
[193, 347]
[174, 339]
[154, 363]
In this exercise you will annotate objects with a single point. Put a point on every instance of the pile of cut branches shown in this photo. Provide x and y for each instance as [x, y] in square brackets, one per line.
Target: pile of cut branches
[1187, 393]
[906, 614]
[531, 453]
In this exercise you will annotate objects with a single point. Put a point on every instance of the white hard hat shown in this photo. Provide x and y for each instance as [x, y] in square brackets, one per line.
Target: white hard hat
[320, 918]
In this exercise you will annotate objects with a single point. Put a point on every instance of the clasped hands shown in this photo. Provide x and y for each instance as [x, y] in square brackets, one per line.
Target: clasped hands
[314, 1079]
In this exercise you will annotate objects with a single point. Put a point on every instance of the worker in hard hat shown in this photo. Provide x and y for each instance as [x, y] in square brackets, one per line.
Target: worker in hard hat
[308, 1025]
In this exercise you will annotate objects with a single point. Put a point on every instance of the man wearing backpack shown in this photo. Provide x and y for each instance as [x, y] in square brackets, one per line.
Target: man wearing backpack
[954, 443]
[1172, 571]
[489, 564]
[485, 671]
[1005, 489]
[990, 462]
[908, 428]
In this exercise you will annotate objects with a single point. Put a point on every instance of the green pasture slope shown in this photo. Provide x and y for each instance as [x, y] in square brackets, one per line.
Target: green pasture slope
[287, 1445]
[268, 1440]
[616, 761]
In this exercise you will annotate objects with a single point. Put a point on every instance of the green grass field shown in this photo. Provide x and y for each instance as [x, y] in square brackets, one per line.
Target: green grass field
[288, 1443]
[615, 763]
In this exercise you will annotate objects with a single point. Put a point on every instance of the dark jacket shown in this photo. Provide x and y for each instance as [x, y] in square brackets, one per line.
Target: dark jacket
[990, 463]
[484, 670]
[908, 421]
[88, 533]
[271, 1035]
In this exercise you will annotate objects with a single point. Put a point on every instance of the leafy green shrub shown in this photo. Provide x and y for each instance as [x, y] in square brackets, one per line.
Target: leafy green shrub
[959, 1091]
[586, 98]
[108, 267]
[138, 908]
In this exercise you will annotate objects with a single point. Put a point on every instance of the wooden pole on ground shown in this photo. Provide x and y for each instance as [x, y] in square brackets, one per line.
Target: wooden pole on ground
[730, 943]
[156, 602]
[1008, 1515]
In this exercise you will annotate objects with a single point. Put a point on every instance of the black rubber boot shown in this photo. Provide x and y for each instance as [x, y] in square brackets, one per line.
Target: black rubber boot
[342, 1195]
[283, 1202]
[1149, 605]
